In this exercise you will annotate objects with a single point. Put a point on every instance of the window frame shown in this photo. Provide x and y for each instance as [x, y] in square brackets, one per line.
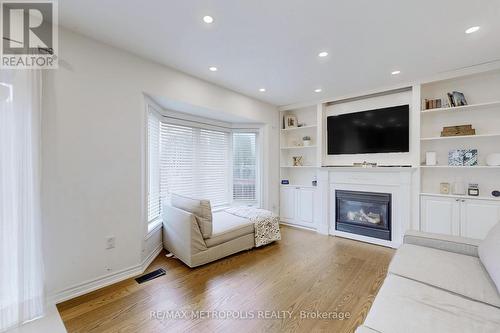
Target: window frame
[155, 224]
[258, 167]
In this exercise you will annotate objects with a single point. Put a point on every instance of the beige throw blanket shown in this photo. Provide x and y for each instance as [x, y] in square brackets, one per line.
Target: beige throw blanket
[267, 228]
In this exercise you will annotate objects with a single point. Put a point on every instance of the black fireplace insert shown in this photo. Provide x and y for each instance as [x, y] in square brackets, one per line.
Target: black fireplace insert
[363, 213]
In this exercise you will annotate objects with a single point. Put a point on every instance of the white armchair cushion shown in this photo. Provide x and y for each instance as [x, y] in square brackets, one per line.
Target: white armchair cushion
[489, 253]
[198, 207]
[227, 227]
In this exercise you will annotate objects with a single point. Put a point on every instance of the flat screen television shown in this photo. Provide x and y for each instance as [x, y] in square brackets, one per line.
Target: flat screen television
[384, 130]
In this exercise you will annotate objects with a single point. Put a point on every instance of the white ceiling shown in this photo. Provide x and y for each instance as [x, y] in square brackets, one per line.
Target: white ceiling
[274, 43]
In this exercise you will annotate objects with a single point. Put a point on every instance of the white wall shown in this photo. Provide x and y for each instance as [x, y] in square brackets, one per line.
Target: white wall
[370, 103]
[93, 155]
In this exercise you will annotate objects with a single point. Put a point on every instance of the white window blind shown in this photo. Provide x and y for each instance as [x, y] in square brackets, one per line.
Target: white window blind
[244, 166]
[154, 205]
[194, 162]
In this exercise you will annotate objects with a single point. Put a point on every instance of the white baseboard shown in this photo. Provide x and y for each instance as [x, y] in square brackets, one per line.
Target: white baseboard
[152, 256]
[297, 226]
[371, 240]
[103, 281]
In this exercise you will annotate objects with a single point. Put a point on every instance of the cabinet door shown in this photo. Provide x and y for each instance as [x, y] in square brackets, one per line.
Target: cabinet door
[305, 206]
[440, 215]
[478, 217]
[287, 204]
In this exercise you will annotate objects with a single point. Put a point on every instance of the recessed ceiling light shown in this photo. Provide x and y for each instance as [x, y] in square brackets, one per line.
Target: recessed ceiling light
[396, 72]
[262, 89]
[318, 90]
[323, 54]
[213, 69]
[208, 19]
[472, 30]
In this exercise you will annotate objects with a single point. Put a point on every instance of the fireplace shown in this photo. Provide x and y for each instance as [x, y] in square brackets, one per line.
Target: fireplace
[363, 213]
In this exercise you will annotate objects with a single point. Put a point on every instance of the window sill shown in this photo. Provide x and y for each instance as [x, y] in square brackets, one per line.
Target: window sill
[236, 204]
[153, 227]
[252, 203]
[220, 208]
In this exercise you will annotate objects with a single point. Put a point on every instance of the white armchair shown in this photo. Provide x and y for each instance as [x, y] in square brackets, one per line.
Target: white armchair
[197, 236]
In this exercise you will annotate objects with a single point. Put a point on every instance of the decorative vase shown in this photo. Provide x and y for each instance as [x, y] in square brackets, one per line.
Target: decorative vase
[459, 188]
[297, 161]
[307, 143]
[444, 188]
[430, 158]
[493, 159]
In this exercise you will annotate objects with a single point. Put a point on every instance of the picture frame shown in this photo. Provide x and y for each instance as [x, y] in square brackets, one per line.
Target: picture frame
[297, 161]
[291, 121]
[463, 157]
[456, 157]
[459, 98]
[470, 157]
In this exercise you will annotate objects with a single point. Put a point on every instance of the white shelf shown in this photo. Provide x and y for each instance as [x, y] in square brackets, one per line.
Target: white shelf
[297, 185]
[298, 147]
[297, 128]
[453, 196]
[463, 108]
[459, 167]
[299, 167]
[370, 169]
[477, 136]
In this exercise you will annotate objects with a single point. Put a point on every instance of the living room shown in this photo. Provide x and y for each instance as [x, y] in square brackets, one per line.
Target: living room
[219, 166]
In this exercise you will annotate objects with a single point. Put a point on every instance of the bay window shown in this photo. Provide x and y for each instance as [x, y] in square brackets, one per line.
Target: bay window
[202, 161]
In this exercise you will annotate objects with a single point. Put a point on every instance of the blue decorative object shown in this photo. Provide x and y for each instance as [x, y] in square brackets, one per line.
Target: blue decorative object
[463, 157]
[285, 182]
[470, 157]
[456, 157]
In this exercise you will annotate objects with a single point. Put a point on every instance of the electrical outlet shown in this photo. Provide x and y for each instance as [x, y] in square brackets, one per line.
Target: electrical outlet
[110, 243]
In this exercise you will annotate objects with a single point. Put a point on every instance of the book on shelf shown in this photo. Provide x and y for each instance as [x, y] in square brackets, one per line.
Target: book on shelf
[458, 130]
[432, 104]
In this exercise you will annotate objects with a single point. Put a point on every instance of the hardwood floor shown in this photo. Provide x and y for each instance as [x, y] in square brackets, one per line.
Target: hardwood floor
[303, 272]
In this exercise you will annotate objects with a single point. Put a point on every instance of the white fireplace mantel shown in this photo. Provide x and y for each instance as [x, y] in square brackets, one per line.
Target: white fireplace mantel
[394, 180]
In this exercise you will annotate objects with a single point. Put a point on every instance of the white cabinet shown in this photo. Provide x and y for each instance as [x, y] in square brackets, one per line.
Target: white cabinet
[287, 204]
[458, 216]
[478, 217]
[305, 205]
[297, 205]
[440, 215]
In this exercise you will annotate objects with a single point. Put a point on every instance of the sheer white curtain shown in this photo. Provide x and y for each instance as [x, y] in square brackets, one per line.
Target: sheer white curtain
[21, 270]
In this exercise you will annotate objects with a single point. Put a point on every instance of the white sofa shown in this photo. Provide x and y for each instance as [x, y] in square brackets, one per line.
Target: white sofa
[440, 284]
[197, 236]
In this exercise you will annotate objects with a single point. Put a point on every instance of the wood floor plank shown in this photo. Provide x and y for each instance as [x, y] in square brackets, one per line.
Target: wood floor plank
[305, 272]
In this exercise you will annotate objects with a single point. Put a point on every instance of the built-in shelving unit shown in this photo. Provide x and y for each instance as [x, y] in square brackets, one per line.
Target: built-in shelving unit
[469, 216]
[482, 92]
[297, 198]
[292, 145]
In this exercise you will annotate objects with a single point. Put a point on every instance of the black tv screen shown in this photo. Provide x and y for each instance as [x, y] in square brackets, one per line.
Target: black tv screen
[375, 131]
